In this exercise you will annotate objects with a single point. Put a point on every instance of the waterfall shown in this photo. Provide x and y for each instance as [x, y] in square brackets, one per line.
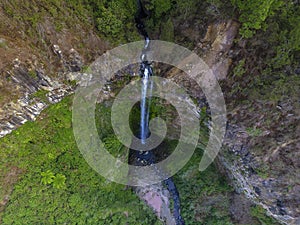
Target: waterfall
[147, 158]
[147, 86]
[144, 122]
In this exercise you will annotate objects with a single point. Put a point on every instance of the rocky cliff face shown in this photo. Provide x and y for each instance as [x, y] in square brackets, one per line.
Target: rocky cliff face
[35, 61]
[260, 155]
[261, 147]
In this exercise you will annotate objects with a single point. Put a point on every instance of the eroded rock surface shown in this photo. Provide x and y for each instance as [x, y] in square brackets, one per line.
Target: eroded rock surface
[261, 148]
[216, 45]
[33, 70]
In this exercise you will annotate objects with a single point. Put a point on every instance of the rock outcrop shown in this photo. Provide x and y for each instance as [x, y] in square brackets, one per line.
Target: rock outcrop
[30, 103]
[34, 64]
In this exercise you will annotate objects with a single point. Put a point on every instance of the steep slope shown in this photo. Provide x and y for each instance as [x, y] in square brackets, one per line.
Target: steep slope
[41, 42]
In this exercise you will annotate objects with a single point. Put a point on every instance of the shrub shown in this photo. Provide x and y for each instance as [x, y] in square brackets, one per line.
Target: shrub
[253, 14]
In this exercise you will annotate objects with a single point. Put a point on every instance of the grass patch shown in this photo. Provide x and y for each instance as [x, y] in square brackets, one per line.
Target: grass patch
[41, 95]
[260, 213]
[254, 132]
[3, 43]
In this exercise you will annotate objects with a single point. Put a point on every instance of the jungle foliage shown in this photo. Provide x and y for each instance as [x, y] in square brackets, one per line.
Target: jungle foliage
[57, 186]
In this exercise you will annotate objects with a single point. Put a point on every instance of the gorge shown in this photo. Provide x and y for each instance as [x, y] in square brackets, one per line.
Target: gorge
[43, 55]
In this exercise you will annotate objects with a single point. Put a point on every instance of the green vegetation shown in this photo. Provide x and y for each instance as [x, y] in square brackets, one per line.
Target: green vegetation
[282, 17]
[167, 31]
[57, 185]
[205, 196]
[113, 19]
[32, 13]
[42, 172]
[260, 213]
[3, 43]
[267, 70]
[263, 171]
[239, 69]
[32, 74]
[254, 13]
[254, 132]
[58, 181]
[158, 10]
[41, 95]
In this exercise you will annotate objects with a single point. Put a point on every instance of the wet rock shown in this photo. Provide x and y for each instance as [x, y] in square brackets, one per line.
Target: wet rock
[71, 60]
[81, 79]
[257, 190]
[21, 76]
[74, 62]
[157, 197]
[57, 51]
[18, 113]
[297, 71]
[39, 61]
[57, 95]
[282, 212]
[262, 174]
[43, 80]
[214, 50]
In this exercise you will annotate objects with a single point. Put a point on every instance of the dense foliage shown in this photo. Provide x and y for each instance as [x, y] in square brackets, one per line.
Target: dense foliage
[114, 20]
[57, 186]
[253, 14]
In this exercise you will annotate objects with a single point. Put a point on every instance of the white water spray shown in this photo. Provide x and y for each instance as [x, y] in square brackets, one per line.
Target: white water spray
[147, 86]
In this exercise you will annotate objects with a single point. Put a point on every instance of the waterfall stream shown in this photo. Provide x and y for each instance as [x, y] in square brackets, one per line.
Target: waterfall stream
[147, 86]
[160, 202]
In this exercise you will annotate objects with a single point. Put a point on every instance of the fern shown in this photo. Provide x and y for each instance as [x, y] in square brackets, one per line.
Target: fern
[59, 181]
[47, 177]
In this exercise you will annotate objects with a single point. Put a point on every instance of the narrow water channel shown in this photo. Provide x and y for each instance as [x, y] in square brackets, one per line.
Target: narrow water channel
[143, 158]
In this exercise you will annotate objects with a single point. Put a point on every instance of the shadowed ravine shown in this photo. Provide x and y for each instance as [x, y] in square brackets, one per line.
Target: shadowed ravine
[157, 196]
